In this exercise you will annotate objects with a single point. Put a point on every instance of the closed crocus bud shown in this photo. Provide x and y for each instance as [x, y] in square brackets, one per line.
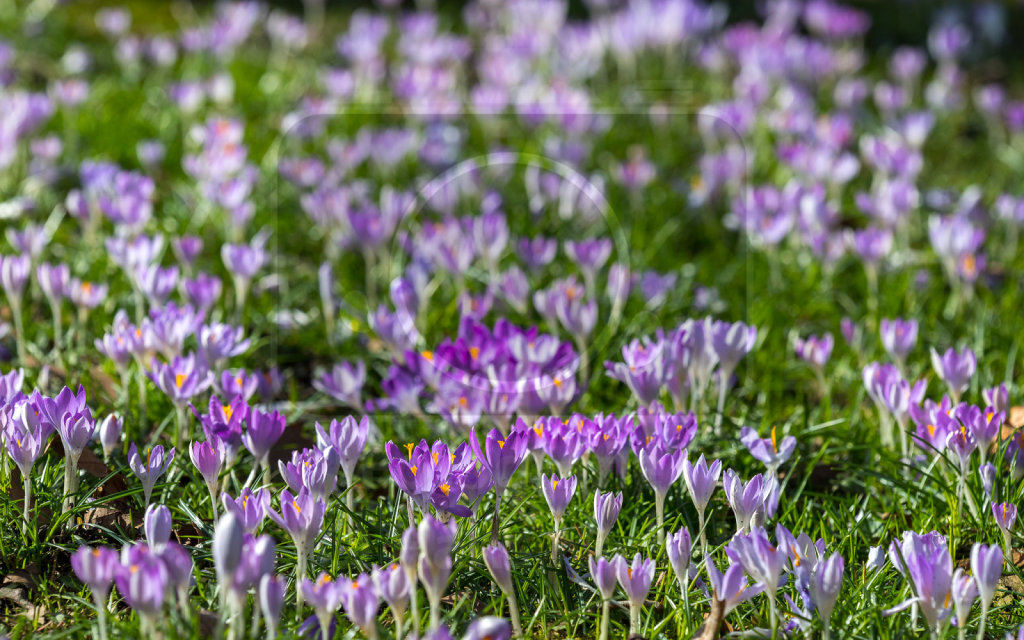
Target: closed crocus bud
[410, 553]
[876, 558]
[488, 628]
[228, 537]
[436, 538]
[988, 477]
[606, 512]
[157, 525]
[963, 592]
[602, 572]
[558, 492]
[271, 595]
[110, 434]
[393, 584]
[498, 563]
[826, 585]
[207, 458]
[987, 566]
[678, 545]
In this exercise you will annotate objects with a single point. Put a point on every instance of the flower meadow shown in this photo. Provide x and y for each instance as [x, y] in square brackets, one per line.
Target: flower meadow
[516, 319]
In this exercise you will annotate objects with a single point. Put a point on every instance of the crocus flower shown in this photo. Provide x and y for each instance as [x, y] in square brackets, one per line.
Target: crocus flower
[661, 468]
[558, 492]
[419, 473]
[109, 431]
[925, 561]
[678, 545]
[898, 337]
[606, 511]
[150, 469]
[750, 502]
[488, 628]
[75, 430]
[271, 598]
[348, 437]
[262, 432]
[997, 397]
[142, 580]
[1005, 514]
[435, 540]
[157, 525]
[731, 587]
[762, 561]
[498, 563]
[701, 481]
[301, 516]
[207, 459]
[963, 593]
[731, 342]
[602, 572]
[361, 601]
[635, 579]
[501, 456]
[955, 368]
[182, 379]
[344, 383]
[97, 567]
[250, 508]
[394, 587]
[815, 350]
[324, 595]
[768, 450]
[987, 566]
[825, 587]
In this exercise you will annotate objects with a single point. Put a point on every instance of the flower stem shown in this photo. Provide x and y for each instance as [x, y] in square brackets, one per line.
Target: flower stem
[513, 614]
[606, 609]
[601, 535]
[101, 613]
[634, 619]
[70, 482]
[984, 618]
[300, 573]
[495, 525]
[28, 503]
[659, 508]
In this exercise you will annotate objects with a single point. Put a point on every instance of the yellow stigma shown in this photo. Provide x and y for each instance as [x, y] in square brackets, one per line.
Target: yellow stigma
[409, 447]
[931, 430]
[134, 568]
[463, 401]
[775, 447]
[629, 572]
[414, 469]
[539, 431]
[501, 444]
[295, 504]
[227, 411]
[86, 287]
[554, 483]
[445, 488]
[238, 380]
[149, 458]
[179, 379]
[427, 355]
[474, 352]
[96, 553]
[557, 381]
[436, 456]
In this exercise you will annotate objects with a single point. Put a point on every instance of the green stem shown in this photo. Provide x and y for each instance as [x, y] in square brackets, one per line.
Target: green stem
[70, 482]
[101, 613]
[634, 619]
[606, 607]
[495, 525]
[659, 508]
[28, 503]
[513, 613]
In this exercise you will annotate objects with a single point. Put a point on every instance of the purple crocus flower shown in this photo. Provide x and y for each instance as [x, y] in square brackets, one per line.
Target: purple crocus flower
[898, 337]
[208, 460]
[767, 450]
[826, 585]
[394, 587]
[218, 342]
[142, 580]
[997, 397]
[324, 595]
[815, 350]
[643, 369]
[419, 473]
[955, 368]
[313, 469]
[678, 546]
[157, 526]
[271, 598]
[762, 560]
[250, 507]
[497, 561]
[96, 567]
[606, 512]
[301, 516]
[501, 456]
[348, 437]
[488, 628]
[731, 587]
[635, 578]
[701, 481]
[602, 572]
[109, 431]
[963, 592]
[435, 541]
[344, 383]
[987, 565]
[661, 468]
[360, 599]
[150, 469]
[558, 492]
[537, 252]
[238, 383]
[925, 561]
[750, 501]
[182, 379]
[262, 432]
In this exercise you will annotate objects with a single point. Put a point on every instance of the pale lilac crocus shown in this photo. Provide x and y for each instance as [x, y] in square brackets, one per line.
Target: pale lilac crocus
[324, 595]
[348, 437]
[732, 587]
[602, 572]
[678, 547]
[301, 516]
[606, 511]
[394, 587]
[987, 566]
[762, 561]
[701, 481]
[208, 459]
[963, 592]
[898, 337]
[149, 470]
[635, 578]
[661, 468]
[558, 492]
[826, 585]
[768, 450]
[1005, 514]
[500, 565]
[502, 456]
[97, 567]
[955, 368]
